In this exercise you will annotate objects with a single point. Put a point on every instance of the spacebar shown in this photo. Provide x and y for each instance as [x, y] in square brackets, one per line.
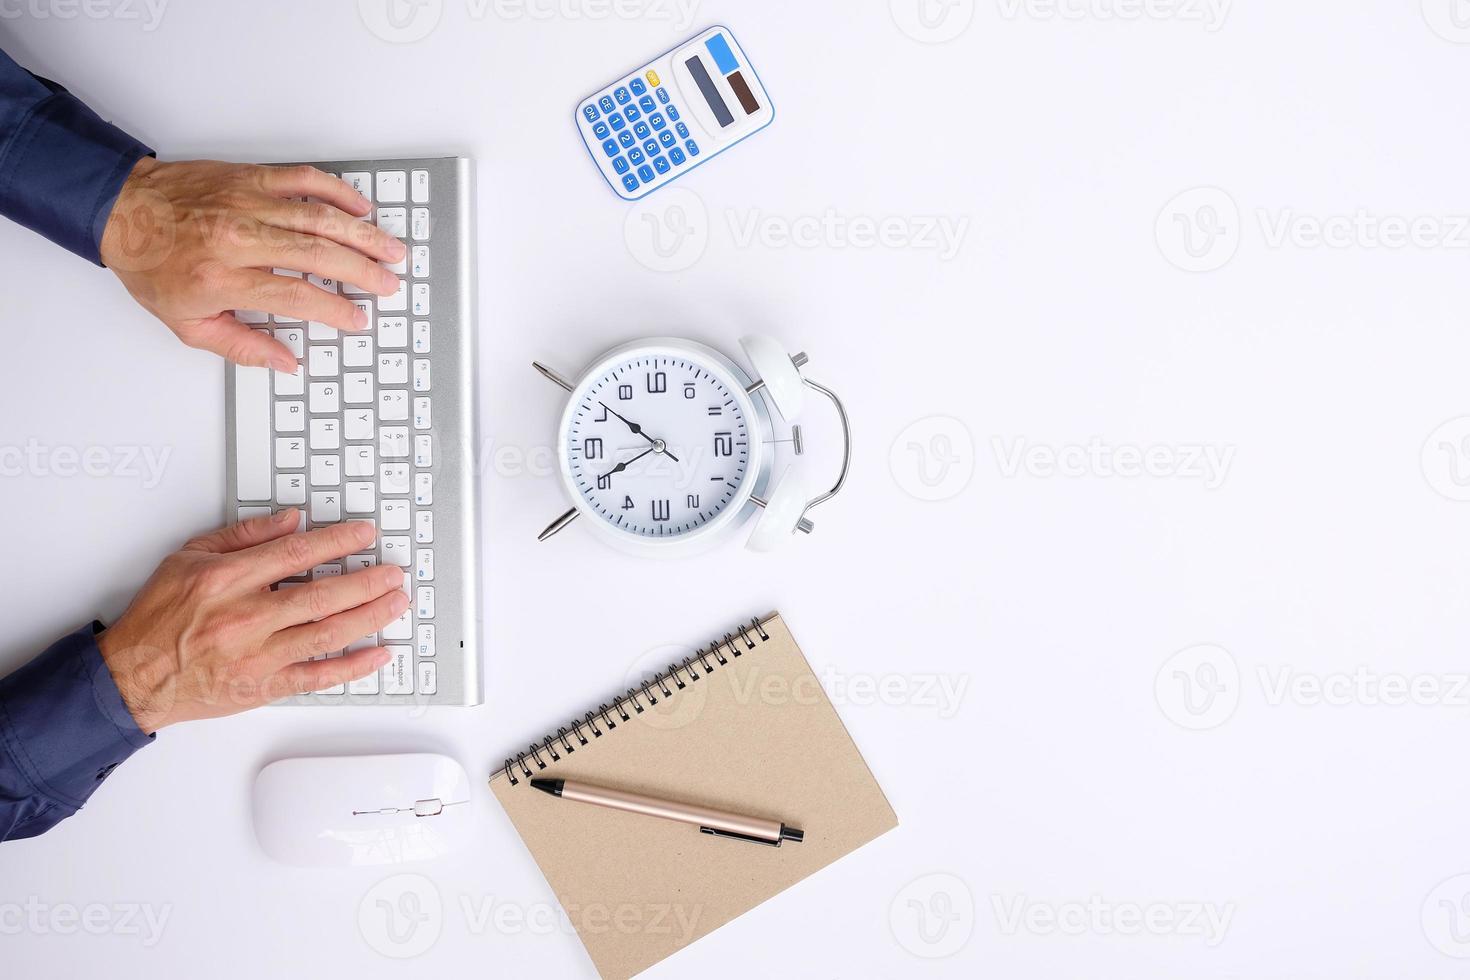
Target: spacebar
[252, 433]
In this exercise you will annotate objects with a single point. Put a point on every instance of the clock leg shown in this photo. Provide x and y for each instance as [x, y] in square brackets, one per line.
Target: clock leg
[558, 524]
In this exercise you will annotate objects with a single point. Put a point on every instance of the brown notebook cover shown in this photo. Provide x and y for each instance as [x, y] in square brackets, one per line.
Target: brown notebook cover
[744, 726]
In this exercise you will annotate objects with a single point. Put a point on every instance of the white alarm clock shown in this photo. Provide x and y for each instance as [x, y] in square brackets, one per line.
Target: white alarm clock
[666, 446]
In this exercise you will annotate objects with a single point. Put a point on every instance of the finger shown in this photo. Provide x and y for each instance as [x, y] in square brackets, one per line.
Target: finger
[294, 554]
[300, 643]
[281, 249]
[328, 222]
[329, 596]
[317, 675]
[246, 534]
[252, 289]
[308, 181]
[228, 337]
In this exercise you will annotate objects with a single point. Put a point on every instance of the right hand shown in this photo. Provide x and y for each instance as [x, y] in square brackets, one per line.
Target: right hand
[207, 637]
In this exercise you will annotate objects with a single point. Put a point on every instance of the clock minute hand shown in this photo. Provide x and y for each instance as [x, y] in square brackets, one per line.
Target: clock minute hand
[638, 431]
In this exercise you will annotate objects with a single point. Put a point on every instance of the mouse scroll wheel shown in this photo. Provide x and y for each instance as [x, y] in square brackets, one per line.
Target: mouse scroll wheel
[428, 808]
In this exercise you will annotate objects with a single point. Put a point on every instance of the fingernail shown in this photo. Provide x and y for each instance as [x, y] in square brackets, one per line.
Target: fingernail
[392, 575]
[359, 318]
[285, 516]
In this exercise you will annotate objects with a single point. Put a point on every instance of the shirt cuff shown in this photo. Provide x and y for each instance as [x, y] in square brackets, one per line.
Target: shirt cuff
[63, 721]
[61, 172]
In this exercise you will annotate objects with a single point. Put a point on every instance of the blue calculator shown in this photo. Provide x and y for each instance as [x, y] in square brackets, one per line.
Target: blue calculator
[687, 105]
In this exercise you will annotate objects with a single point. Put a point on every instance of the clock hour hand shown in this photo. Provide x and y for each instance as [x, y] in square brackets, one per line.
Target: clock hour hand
[658, 444]
[624, 464]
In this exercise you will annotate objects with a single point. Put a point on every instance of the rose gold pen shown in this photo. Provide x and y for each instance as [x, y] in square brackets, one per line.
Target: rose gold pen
[720, 823]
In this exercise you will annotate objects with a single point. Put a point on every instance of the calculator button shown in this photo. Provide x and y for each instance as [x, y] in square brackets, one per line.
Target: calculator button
[637, 86]
[646, 173]
[621, 94]
[673, 114]
[692, 147]
[632, 113]
[601, 131]
[661, 165]
[626, 139]
[590, 111]
[607, 103]
[666, 138]
[635, 156]
[620, 165]
[663, 96]
[642, 131]
[677, 155]
[652, 76]
[630, 182]
[682, 130]
[656, 121]
[651, 148]
[647, 104]
[610, 147]
[616, 121]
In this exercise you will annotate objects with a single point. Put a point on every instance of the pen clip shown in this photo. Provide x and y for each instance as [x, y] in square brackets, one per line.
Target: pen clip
[734, 836]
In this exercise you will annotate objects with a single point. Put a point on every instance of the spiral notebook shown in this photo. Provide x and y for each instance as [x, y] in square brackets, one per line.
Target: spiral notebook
[743, 725]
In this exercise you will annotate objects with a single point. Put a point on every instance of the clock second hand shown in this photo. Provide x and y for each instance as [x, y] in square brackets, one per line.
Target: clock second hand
[638, 431]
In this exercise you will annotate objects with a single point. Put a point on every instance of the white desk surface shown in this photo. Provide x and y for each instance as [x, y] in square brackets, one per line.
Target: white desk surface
[1056, 818]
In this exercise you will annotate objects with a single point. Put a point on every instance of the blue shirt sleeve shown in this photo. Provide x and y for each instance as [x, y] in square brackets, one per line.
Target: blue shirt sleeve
[61, 165]
[63, 729]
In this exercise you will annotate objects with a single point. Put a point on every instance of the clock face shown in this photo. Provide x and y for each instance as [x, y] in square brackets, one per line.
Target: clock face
[658, 443]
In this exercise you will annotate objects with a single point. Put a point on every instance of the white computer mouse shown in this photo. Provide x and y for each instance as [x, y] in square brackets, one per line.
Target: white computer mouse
[355, 811]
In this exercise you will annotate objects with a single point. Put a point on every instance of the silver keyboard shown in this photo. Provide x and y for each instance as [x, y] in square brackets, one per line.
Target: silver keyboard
[380, 426]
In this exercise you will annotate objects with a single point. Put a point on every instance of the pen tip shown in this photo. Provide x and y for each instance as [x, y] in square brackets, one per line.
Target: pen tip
[552, 786]
[791, 834]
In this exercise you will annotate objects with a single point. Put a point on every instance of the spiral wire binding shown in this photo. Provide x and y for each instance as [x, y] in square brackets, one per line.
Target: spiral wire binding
[738, 643]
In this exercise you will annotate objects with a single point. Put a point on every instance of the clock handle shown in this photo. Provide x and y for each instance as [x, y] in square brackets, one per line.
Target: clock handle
[802, 523]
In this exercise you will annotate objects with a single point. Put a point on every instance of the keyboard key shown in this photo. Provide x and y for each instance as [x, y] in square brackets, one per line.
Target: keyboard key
[652, 76]
[590, 113]
[616, 121]
[393, 479]
[290, 454]
[657, 121]
[358, 424]
[645, 174]
[667, 138]
[610, 147]
[357, 351]
[421, 334]
[359, 461]
[393, 514]
[428, 678]
[419, 186]
[398, 671]
[423, 451]
[325, 398]
[421, 373]
[646, 103]
[393, 185]
[326, 507]
[325, 285]
[360, 181]
[632, 114]
[673, 114]
[630, 183]
[425, 602]
[421, 299]
[357, 389]
[651, 148]
[329, 570]
[635, 156]
[637, 86]
[422, 414]
[252, 316]
[691, 147]
[421, 261]
[423, 494]
[625, 139]
[395, 303]
[676, 155]
[364, 685]
[293, 338]
[323, 362]
[326, 471]
[606, 103]
[246, 513]
[360, 498]
[620, 94]
[423, 526]
[393, 442]
[642, 131]
[620, 166]
[392, 406]
[426, 634]
[325, 434]
[253, 432]
[290, 417]
[396, 550]
[393, 368]
[392, 331]
[663, 96]
[290, 489]
[661, 164]
[421, 224]
[681, 129]
[394, 221]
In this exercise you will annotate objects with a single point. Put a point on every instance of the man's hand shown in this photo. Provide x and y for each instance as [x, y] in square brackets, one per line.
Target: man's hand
[207, 637]
[195, 241]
